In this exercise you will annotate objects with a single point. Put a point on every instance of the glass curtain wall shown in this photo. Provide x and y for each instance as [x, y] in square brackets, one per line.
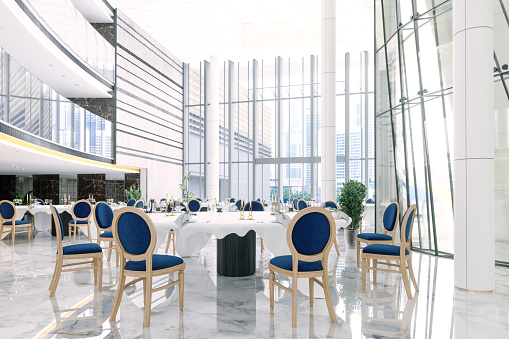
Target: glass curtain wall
[413, 116]
[30, 105]
[275, 105]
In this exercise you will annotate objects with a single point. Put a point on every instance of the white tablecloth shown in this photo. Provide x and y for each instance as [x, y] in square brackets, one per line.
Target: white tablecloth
[42, 214]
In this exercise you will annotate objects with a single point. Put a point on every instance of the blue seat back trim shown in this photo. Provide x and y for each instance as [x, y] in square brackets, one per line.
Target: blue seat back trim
[331, 204]
[6, 210]
[257, 206]
[232, 199]
[133, 233]
[131, 202]
[82, 210]
[408, 225]
[60, 222]
[311, 233]
[390, 216]
[139, 204]
[194, 205]
[295, 203]
[103, 215]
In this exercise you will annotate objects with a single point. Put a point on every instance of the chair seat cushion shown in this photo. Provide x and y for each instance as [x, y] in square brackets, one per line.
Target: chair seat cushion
[17, 222]
[82, 249]
[80, 222]
[382, 249]
[159, 262]
[285, 262]
[375, 236]
[107, 234]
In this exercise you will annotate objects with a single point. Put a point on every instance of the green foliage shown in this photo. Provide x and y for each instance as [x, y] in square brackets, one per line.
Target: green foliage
[287, 195]
[351, 201]
[23, 197]
[132, 193]
[184, 187]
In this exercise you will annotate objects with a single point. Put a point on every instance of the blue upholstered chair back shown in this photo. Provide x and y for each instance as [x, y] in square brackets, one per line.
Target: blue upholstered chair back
[131, 202]
[390, 216]
[133, 232]
[180, 203]
[407, 223]
[7, 210]
[331, 204]
[232, 200]
[103, 215]
[59, 226]
[81, 209]
[139, 204]
[370, 201]
[239, 204]
[198, 199]
[302, 205]
[194, 205]
[38, 201]
[257, 206]
[259, 200]
[311, 233]
[163, 201]
[295, 203]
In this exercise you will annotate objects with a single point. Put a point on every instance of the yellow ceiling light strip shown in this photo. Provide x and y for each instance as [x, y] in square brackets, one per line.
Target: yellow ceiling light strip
[52, 325]
[44, 150]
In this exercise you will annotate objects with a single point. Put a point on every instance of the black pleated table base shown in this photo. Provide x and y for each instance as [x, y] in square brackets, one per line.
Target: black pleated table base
[236, 255]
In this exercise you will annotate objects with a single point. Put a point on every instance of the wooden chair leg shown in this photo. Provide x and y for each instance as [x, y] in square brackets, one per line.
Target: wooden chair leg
[311, 291]
[294, 301]
[181, 290]
[412, 276]
[168, 243]
[118, 296]
[375, 266]
[100, 273]
[271, 289]
[358, 252]
[70, 235]
[56, 277]
[29, 232]
[328, 298]
[173, 243]
[261, 245]
[336, 246]
[364, 269]
[148, 299]
[96, 272]
[110, 249]
[89, 236]
[13, 234]
[402, 270]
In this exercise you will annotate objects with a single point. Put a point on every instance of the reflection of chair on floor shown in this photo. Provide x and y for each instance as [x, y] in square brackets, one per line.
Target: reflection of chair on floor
[77, 320]
[310, 236]
[135, 238]
[400, 254]
[386, 317]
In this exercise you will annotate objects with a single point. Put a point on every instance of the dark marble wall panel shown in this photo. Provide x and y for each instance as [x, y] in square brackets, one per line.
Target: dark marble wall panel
[7, 185]
[46, 186]
[131, 179]
[115, 190]
[106, 30]
[92, 184]
[99, 106]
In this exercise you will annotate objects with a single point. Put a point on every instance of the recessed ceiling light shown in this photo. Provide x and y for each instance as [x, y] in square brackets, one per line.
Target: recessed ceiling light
[2, 28]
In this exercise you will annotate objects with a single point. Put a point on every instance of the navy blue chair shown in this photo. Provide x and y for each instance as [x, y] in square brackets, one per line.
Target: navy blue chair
[163, 203]
[239, 203]
[139, 203]
[198, 199]
[302, 204]
[73, 252]
[151, 206]
[131, 202]
[331, 204]
[81, 212]
[310, 236]
[256, 206]
[231, 200]
[400, 254]
[390, 219]
[294, 202]
[103, 217]
[8, 220]
[194, 205]
[370, 201]
[38, 202]
[135, 237]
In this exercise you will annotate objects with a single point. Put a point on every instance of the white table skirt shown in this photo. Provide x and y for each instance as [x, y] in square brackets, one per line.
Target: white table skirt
[42, 214]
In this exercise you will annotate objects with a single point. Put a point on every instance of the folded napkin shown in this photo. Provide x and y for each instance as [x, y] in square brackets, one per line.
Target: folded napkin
[182, 219]
[283, 219]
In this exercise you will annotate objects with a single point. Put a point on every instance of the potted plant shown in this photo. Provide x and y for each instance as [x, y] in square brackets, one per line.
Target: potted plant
[184, 187]
[351, 201]
[133, 193]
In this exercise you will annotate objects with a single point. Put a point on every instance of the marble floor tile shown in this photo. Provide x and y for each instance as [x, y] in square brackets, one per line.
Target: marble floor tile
[223, 307]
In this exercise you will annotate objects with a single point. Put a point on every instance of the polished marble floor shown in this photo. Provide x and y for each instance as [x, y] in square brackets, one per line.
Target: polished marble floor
[220, 307]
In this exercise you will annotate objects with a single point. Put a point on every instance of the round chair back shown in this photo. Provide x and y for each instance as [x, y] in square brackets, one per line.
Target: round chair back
[133, 232]
[331, 204]
[194, 205]
[103, 215]
[7, 210]
[131, 202]
[81, 209]
[256, 206]
[391, 216]
[302, 204]
[139, 204]
[239, 204]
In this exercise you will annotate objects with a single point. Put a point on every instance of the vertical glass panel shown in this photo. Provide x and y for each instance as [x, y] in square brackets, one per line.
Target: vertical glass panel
[405, 11]
[379, 32]
[390, 19]
[410, 67]
[382, 85]
[394, 71]
[425, 5]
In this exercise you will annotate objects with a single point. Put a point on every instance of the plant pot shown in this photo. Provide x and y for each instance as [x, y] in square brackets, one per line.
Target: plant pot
[351, 238]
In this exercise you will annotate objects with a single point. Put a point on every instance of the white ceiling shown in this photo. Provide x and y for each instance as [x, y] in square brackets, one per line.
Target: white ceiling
[24, 161]
[245, 29]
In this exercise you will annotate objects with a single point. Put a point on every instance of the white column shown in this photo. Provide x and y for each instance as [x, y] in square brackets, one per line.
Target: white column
[473, 156]
[212, 125]
[328, 114]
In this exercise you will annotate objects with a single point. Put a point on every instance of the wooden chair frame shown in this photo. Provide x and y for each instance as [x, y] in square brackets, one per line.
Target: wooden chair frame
[137, 201]
[312, 275]
[13, 223]
[298, 209]
[96, 262]
[403, 261]
[187, 205]
[111, 243]
[147, 275]
[74, 227]
[369, 242]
